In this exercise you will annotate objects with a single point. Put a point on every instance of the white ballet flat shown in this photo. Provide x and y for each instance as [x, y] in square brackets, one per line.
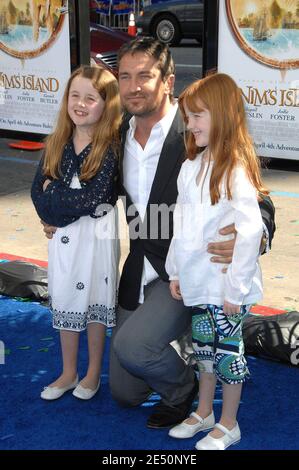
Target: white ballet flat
[230, 437]
[185, 430]
[52, 393]
[85, 393]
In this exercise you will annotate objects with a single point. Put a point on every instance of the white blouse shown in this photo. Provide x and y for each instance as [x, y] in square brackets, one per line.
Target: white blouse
[139, 169]
[197, 223]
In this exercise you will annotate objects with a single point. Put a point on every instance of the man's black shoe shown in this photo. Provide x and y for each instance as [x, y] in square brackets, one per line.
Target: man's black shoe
[166, 416]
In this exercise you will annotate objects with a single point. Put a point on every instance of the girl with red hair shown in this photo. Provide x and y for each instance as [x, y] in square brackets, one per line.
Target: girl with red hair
[218, 185]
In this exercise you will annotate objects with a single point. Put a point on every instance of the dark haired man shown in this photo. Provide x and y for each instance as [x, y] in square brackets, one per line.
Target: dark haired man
[142, 359]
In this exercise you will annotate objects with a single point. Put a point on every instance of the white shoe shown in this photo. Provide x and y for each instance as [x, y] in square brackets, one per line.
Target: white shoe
[85, 393]
[52, 393]
[230, 437]
[185, 430]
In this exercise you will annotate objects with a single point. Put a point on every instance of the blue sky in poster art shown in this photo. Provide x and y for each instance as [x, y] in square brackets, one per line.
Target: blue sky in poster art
[20, 38]
[283, 44]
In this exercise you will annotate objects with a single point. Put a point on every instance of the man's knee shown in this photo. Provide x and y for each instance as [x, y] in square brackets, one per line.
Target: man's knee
[123, 386]
[123, 346]
[123, 397]
[131, 351]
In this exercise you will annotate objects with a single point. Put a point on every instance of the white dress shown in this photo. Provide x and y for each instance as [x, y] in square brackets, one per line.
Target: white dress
[83, 271]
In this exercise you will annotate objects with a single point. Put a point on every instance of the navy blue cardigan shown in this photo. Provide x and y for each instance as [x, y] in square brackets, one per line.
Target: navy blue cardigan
[59, 205]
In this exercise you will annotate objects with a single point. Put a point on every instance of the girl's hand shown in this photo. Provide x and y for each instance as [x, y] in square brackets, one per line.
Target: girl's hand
[230, 309]
[45, 185]
[174, 287]
[49, 230]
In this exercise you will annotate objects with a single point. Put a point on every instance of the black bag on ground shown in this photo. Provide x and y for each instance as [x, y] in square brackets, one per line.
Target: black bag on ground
[274, 337]
[22, 279]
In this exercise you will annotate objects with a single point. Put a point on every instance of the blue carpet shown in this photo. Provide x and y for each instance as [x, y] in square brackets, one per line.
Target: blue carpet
[268, 415]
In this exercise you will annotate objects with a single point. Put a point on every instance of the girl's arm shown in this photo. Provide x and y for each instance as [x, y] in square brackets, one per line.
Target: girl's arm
[249, 227]
[170, 264]
[67, 202]
[37, 194]
[41, 200]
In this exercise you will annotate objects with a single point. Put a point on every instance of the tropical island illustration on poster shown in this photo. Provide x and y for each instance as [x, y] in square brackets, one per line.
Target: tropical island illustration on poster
[267, 30]
[29, 27]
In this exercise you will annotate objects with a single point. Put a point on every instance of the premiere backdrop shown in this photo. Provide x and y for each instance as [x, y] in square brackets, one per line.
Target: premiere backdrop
[259, 47]
[34, 63]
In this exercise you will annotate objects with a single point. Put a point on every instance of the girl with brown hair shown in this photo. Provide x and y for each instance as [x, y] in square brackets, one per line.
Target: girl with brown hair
[74, 190]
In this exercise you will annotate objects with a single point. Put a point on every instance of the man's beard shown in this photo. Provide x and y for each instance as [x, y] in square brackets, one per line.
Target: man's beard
[145, 110]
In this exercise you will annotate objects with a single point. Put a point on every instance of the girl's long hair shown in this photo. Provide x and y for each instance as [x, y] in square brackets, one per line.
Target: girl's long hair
[106, 132]
[229, 141]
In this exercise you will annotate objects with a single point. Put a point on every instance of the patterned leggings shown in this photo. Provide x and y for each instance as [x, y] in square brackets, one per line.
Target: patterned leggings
[218, 343]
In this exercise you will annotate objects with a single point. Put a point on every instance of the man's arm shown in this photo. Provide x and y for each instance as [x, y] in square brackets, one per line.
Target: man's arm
[268, 215]
[223, 251]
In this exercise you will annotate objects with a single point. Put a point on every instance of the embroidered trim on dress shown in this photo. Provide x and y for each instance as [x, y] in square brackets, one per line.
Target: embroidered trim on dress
[78, 321]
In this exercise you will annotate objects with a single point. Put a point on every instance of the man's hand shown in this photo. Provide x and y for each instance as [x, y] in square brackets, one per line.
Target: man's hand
[49, 230]
[230, 309]
[174, 287]
[46, 183]
[223, 250]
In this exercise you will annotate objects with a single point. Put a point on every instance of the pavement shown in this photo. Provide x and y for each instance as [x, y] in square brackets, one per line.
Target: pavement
[22, 235]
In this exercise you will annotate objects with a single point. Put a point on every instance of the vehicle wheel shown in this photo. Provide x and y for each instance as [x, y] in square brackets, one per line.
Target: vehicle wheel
[167, 30]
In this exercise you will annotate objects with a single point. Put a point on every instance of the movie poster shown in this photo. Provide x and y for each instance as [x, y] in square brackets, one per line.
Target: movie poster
[259, 47]
[34, 63]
